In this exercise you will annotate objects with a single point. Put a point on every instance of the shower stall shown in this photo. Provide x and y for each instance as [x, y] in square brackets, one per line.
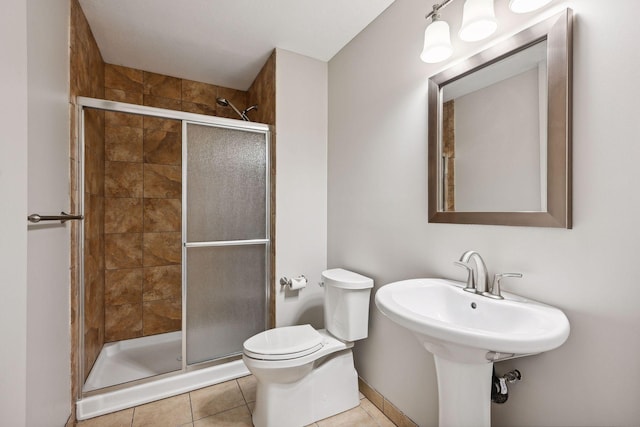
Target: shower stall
[175, 252]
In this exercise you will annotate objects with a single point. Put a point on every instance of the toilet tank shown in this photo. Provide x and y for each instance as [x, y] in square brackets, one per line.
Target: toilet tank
[346, 304]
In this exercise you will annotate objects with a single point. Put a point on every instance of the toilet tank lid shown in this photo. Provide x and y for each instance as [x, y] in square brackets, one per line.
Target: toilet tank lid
[341, 278]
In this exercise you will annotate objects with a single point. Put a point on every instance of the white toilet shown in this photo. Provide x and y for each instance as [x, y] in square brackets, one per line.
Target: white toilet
[303, 374]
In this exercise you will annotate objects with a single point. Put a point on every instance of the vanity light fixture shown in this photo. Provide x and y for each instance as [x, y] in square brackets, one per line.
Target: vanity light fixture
[478, 20]
[478, 23]
[524, 6]
[437, 41]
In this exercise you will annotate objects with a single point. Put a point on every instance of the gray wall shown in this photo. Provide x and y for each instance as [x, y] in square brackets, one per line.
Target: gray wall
[48, 256]
[34, 177]
[13, 192]
[301, 185]
[377, 217]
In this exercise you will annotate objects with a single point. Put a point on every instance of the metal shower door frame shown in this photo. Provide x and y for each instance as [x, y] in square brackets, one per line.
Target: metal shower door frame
[266, 241]
[184, 117]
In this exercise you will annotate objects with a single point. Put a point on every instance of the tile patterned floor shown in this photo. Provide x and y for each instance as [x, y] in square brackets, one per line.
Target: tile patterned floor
[223, 405]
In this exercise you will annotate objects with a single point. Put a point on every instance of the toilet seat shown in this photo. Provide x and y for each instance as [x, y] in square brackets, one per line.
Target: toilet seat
[289, 342]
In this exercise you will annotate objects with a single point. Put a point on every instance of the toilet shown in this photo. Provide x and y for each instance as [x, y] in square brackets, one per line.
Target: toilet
[303, 374]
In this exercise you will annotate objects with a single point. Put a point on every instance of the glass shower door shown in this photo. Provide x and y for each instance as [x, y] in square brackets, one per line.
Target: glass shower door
[225, 238]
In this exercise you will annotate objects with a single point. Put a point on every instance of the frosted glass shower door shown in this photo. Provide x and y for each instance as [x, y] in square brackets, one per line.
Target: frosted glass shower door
[226, 239]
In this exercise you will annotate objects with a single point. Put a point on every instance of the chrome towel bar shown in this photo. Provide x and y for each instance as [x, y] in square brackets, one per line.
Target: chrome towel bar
[63, 217]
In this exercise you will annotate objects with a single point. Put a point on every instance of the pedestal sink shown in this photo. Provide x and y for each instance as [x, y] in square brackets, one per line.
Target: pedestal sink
[466, 333]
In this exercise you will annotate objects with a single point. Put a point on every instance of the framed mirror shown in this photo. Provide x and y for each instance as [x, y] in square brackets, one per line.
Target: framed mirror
[500, 132]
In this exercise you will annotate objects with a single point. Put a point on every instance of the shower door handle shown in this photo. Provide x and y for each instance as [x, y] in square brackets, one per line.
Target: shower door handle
[63, 217]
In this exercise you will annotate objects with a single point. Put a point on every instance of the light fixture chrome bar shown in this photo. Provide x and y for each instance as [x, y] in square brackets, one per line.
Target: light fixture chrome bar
[436, 8]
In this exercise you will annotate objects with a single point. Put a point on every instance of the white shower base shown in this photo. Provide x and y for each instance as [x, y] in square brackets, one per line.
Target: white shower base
[129, 360]
[140, 358]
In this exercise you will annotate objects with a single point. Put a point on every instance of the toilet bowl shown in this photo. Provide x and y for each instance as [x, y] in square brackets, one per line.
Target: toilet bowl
[303, 374]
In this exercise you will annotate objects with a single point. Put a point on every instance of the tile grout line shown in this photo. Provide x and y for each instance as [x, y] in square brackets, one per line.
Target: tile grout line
[246, 404]
[242, 393]
[371, 415]
[191, 408]
[250, 413]
[368, 413]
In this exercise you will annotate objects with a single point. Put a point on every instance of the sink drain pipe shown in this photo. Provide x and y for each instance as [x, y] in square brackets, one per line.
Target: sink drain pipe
[499, 390]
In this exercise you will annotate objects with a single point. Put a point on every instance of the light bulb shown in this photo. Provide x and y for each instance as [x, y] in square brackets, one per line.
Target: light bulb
[478, 20]
[437, 43]
[524, 6]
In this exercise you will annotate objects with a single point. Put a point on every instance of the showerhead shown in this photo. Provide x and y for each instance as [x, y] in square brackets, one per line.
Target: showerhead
[224, 102]
[246, 110]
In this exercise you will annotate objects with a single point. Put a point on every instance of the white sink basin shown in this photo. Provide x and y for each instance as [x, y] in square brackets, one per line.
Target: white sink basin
[466, 333]
[460, 325]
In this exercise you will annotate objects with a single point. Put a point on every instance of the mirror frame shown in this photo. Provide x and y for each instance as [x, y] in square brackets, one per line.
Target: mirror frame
[557, 30]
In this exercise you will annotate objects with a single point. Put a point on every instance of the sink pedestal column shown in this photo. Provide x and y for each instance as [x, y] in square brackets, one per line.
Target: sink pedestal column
[464, 392]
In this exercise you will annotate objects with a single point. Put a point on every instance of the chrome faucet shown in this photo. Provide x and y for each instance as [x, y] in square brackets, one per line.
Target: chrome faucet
[495, 286]
[478, 279]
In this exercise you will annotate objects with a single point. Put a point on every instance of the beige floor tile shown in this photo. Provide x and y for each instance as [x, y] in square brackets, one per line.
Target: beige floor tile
[171, 412]
[353, 417]
[115, 419]
[252, 406]
[376, 413]
[215, 399]
[248, 387]
[237, 417]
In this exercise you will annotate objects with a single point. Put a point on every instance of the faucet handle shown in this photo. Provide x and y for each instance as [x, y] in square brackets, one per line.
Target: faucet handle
[495, 287]
[471, 283]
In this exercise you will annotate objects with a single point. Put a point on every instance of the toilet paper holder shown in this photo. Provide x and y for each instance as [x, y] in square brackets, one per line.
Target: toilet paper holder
[288, 282]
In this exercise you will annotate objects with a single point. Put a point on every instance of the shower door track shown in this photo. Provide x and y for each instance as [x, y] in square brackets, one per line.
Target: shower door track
[184, 117]
[122, 107]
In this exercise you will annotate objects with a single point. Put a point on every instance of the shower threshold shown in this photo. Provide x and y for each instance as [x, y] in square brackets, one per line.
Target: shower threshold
[129, 360]
[160, 387]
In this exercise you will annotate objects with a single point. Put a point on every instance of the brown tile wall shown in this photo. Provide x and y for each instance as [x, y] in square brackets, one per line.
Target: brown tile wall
[262, 92]
[94, 237]
[142, 212]
[156, 90]
[87, 79]
[143, 178]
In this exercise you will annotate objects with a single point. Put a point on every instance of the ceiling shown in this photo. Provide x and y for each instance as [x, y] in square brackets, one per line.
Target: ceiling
[223, 42]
